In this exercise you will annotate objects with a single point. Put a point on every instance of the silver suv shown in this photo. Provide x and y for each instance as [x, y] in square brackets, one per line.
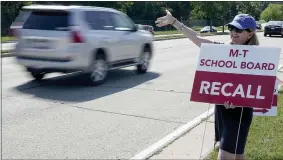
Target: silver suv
[79, 38]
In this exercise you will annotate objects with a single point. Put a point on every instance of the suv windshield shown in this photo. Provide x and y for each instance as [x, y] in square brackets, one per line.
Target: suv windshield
[47, 20]
[275, 23]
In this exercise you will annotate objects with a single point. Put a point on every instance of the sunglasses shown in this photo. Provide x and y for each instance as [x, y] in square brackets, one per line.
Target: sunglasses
[237, 30]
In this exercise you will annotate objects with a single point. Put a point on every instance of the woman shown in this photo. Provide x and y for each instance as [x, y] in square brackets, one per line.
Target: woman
[231, 123]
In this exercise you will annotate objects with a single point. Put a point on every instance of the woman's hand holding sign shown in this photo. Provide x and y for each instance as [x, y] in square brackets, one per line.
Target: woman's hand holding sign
[229, 105]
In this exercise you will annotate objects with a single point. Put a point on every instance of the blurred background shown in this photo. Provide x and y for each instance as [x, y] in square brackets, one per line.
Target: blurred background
[196, 14]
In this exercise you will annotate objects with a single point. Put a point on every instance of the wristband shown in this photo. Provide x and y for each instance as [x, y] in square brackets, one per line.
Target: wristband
[182, 27]
[173, 22]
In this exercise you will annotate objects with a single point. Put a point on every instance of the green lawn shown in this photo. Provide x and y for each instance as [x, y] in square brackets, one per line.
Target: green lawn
[7, 38]
[219, 28]
[3, 51]
[166, 32]
[197, 28]
[265, 139]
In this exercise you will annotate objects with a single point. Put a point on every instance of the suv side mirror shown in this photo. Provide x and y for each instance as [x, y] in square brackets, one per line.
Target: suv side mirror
[135, 28]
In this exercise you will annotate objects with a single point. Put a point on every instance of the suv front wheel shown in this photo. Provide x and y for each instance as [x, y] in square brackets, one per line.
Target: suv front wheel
[144, 61]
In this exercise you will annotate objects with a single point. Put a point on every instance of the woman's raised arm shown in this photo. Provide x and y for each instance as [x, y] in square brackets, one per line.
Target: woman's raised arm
[188, 32]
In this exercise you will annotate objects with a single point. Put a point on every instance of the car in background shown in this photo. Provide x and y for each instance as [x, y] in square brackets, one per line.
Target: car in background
[149, 28]
[273, 28]
[93, 40]
[206, 29]
[146, 28]
[258, 26]
[140, 27]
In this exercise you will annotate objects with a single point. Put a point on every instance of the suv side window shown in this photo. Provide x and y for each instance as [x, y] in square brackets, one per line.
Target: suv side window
[99, 20]
[121, 22]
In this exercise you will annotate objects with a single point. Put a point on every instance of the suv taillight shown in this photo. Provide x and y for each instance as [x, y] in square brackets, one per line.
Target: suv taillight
[76, 38]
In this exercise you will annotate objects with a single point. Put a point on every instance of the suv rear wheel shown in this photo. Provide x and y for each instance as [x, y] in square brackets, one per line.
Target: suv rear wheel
[98, 70]
[37, 76]
[144, 62]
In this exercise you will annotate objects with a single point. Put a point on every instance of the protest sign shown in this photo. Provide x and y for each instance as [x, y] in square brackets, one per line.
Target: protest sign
[242, 74]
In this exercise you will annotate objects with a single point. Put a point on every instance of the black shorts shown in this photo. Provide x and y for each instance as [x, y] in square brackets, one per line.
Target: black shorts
[226, 128]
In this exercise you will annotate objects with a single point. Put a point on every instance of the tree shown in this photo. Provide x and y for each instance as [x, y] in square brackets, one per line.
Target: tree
[225, 13]
[180, 10]
[213, 11]
[252, 8]
[273, 12]
[9, 11]
[218, 12]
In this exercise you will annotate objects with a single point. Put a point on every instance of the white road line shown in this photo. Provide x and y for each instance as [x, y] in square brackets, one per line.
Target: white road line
[174, 135]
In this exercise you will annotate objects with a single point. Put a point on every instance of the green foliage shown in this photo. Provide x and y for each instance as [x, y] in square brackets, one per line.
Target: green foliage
[251, 7]
[225, 9]
[9, 11]
[218, 12]
[273, 12]
[215, 12]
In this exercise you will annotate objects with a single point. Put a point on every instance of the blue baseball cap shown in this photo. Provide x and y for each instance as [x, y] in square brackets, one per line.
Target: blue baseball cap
[244, 21]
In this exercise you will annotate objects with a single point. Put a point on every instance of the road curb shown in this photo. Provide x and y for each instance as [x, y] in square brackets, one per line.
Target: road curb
[179, 34]
[159, 145]
[3, 55]
[8, 42]
[170, 38]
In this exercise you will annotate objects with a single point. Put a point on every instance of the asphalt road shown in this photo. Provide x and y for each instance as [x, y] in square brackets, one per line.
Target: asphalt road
[62, 118]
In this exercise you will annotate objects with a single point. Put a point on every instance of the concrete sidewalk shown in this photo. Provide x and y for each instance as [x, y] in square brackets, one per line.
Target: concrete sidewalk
[195, 144]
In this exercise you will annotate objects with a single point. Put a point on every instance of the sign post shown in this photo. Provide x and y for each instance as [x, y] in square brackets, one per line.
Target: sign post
[242, 74]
